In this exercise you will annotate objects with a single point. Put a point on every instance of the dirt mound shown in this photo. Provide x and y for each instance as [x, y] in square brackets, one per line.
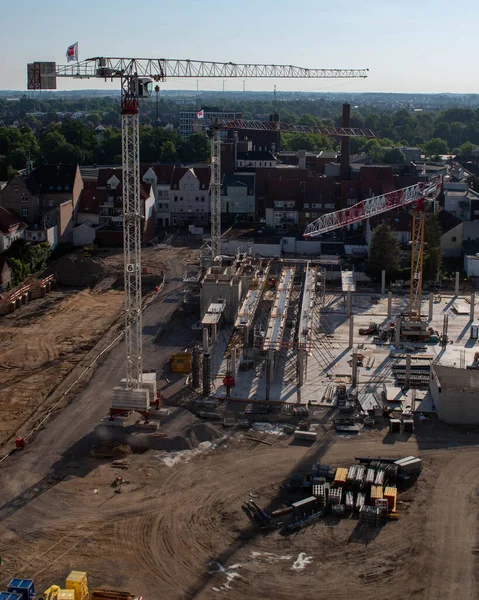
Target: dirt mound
[79, 271]
[203, 432]
[110, 450]
[173, 443]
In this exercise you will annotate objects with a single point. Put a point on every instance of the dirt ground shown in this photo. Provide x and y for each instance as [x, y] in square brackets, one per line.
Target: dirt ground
[177, 529]
[42, 342]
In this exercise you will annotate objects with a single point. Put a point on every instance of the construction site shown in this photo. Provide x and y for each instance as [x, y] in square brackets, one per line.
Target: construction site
[248, 425]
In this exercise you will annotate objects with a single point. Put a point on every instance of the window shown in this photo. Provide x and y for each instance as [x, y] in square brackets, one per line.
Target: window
[176, 198]
[15, 191]
[67, 187]
[59, 187]
[307, 215]
[24, 211]
[197, 199]
[453, 239]
[202, 198]
[306, 205]
[181, 198]
[51, 187]
[24, 198]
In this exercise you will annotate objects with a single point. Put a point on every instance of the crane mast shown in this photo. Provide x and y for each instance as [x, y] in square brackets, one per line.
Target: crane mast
[136, 75]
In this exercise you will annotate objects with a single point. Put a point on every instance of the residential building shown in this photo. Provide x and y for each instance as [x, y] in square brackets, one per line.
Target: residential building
[11, 228]
[461, 201]
[190, 123]
[452, 234]
[256, 159]
[160, 177]
[110, 207]
[48, 192]
[190, 196]
[238, 199]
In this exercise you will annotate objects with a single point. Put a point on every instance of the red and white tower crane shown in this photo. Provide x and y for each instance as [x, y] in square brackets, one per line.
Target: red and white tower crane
[136, 76]
[416, 195]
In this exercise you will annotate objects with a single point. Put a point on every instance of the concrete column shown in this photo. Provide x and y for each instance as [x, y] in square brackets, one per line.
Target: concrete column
[301, 358]
[390, 304]
[206, 343]
[349, 303]
[397, 339]
[354, 373]
[473, 305]
[431, 306]
[407, 382]
[456, 291]
[246, 336]
[233, 361]
[383, 282]
[269, 373]
[214, 331]
[351, 331]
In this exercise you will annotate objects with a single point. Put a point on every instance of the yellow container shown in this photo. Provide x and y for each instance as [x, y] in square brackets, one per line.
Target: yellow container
[391, 494]
[66, 595]
[77, 581]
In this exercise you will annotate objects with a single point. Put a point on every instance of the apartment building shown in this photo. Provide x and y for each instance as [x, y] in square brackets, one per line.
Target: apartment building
[191, 123]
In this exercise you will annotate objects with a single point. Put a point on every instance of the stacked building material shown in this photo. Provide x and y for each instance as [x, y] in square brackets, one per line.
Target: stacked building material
[360, 500]
[338, 509]
[376, 493]
[370, 515]
[335, 495]
[349, 500]
[383, 505]
[390, 494]
[370, 476]
[380, 476]
[340, 476]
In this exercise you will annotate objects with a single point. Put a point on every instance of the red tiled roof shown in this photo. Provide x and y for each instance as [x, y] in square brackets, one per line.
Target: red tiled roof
[105, 174]
[164, 173]
[9, 221]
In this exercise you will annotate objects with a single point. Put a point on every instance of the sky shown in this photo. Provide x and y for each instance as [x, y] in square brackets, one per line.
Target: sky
[416, 46]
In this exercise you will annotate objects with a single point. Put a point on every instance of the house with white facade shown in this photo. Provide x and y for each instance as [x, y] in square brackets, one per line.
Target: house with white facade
[11, 228]
[256, 159]
[461, 201]
[190, 196]
[238, 197]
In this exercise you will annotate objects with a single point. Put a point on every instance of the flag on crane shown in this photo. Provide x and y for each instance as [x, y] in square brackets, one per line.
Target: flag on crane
[201, 114]
[72, 53]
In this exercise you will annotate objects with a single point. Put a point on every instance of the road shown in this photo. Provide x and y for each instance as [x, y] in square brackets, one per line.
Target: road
[79, 418]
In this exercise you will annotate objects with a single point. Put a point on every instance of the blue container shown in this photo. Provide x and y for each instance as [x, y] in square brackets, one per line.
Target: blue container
[10, 596]
[23, 587]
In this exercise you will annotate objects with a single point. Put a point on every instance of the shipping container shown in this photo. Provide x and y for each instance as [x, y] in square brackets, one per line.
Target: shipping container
[304, 505]
[10, 596]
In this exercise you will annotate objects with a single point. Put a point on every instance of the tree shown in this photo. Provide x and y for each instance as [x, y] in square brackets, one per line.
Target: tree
[432, 245]
[384, 252]
[435, 147]
[374, 150]
[465, 151]
[395, 156]
[196, 148]
[168, 152]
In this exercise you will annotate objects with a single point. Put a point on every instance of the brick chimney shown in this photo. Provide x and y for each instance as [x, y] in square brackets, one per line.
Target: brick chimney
[345, 145]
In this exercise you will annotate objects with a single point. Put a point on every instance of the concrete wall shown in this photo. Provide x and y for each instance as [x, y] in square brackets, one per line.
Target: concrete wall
[471, 265]
[456, 394]
[212, 292]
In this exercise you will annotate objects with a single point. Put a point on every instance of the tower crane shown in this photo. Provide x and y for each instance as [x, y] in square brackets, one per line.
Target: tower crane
[136, 76]
[416, 195]
[240, 124]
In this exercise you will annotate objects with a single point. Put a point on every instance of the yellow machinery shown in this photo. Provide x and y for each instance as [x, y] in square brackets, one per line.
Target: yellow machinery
[54, 592]
[181, 362]
[76, 588]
